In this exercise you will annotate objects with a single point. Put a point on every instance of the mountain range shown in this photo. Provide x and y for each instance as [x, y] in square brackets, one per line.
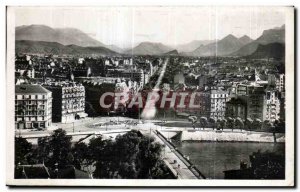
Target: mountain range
[221, 47]
[276, 35]
[271, 50]
[41, 38]
[191, 46]
[64, 36]
[149, 48]
[44, 47]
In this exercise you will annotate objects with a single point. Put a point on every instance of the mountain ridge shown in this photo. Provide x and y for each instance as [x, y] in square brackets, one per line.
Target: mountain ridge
[271, 50]
[222, 47]
[64, 36]
[275, 35]
[149, 48]
[44, 47]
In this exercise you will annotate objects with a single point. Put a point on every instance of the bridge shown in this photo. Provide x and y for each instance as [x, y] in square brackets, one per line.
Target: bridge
[179, 165]
[78, 136]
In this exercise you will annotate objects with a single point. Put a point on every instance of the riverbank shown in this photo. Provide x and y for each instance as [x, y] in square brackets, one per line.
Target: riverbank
[224, 136]
[212, 158]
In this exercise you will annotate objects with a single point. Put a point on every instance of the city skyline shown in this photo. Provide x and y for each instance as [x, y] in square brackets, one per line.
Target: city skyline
[126, 27]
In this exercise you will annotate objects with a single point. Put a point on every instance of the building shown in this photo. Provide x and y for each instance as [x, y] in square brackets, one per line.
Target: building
[254, 97]
[241, 89]
[202, 81]
[282, 106]
[272, 106]
[97, 86]
[256, 103]
[179, 79]
[280, 83]
[272, 80]
[201, 99]
[134, 75]
[236, 107]
[33, 107]
[261, 103]
[218, 99]
[68, 100]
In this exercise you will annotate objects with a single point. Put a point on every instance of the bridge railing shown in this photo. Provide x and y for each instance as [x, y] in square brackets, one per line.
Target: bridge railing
[187, 162]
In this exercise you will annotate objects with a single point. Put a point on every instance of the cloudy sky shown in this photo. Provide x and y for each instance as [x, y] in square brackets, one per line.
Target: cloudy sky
[128, 26]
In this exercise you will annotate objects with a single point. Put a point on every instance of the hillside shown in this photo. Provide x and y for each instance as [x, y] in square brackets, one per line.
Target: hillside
[42, 47]
[272, 50]
[245, 40]
[171, 53]
[222, 47]
[149, 48]
[191, 46]
[64, 36]
[276, 35]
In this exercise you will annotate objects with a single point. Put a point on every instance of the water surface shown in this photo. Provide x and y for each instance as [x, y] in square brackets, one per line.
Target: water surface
[212, 158]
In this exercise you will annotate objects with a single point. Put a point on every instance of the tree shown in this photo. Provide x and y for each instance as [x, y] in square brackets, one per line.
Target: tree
[193, 120]
[267, 125]
[127, 147]
[22, 149]
[103, 154]
[203, 122]
[81, 154]
[230, 123]
[257, 123]
[218, 124]
[43, 150]
[212, 122]
[223, 124]
[248, 124]
[60, 149]
[130, 156]
[279, 126]
[148, 157]
[239, 123]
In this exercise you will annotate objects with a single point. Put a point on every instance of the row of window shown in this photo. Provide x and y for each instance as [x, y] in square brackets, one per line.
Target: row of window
[19, 97]
[32, 113]
[219, 95]
[30, 102]
[30, 118]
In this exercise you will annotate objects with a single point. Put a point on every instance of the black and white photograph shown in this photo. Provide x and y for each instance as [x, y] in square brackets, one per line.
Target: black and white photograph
[150, 96]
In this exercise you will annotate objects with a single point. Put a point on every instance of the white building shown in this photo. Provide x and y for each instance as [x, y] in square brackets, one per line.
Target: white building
[218, 99]
[272, 106]
[33, 107]
[179, 79]
[280, 83]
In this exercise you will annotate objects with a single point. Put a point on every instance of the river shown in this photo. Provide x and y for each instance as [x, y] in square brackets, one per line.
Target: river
[212, 158]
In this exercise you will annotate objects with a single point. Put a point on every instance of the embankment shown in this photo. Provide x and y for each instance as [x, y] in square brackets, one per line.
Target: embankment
[227, 136]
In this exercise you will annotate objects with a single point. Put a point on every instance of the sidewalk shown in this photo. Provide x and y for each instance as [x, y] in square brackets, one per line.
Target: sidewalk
[172, 160]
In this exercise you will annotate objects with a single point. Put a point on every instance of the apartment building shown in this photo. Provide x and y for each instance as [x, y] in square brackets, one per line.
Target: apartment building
[272, 106]
[33, 107]
[218, 99]
[68, 100]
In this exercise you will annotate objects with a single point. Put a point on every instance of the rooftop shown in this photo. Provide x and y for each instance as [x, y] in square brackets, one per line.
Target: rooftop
[27, 88]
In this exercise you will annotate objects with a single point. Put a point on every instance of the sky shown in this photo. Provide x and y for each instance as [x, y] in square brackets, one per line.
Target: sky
[127, 26]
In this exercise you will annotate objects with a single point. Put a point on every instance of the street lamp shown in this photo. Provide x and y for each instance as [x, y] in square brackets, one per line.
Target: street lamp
[56, 169]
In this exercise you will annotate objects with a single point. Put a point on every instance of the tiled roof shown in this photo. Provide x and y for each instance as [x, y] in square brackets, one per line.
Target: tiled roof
[27, 88]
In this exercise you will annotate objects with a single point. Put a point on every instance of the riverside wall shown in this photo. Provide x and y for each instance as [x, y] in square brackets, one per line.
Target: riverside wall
[227, 136]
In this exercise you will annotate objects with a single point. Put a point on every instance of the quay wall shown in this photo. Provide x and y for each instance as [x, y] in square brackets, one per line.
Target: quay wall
[214, 136]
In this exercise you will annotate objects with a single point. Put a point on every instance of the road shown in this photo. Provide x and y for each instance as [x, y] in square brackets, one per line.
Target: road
[173, 160]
